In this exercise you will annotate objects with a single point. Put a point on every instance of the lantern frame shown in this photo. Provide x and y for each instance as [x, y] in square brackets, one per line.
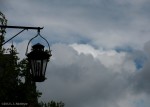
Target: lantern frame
[38, 59]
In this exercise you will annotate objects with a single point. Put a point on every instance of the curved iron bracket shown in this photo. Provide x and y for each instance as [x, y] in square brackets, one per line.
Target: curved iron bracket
[38, 34]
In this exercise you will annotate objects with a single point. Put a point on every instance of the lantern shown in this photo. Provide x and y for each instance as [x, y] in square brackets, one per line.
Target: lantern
[38, 59]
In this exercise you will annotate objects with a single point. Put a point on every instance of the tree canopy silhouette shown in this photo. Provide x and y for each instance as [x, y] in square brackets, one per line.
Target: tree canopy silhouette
[16, 85]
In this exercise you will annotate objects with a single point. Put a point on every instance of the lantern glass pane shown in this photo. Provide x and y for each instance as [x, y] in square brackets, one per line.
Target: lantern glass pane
[36, 67]
[32, 67]
[44, 66]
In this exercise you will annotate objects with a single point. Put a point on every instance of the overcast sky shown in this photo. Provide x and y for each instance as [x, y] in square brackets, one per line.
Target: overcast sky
[100, 48]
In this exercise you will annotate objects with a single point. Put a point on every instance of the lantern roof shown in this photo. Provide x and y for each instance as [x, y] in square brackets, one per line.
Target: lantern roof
[38, 46]
[38, 52]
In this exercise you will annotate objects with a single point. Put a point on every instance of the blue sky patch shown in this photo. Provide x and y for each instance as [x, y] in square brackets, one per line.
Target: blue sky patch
[124, 49]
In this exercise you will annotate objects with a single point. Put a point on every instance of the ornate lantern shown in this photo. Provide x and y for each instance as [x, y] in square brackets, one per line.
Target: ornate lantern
[38, 59]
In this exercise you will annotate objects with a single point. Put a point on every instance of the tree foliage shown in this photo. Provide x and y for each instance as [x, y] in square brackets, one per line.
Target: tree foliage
[15, 81]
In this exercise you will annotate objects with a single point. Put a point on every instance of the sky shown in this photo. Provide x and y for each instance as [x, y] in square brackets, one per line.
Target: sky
[100, 49]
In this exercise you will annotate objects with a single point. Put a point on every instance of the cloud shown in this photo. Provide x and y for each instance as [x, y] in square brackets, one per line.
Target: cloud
[109, 58]
[80, 79]
[101, 23]
[141, 79]
[81, 75]
[97, 46]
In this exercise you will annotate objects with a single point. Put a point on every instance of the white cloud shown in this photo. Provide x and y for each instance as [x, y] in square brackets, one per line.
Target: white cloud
[111, 59]
[80, 75]
[83, 80]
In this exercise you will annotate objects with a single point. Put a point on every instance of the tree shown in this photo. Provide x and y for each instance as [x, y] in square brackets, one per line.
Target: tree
[15, 81]
[3, 21]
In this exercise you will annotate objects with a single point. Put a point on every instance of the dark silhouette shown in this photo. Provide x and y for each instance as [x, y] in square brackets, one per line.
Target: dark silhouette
[16, 86]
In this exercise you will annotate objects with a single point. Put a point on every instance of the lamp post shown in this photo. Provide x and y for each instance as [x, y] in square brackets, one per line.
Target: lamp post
[38, 57]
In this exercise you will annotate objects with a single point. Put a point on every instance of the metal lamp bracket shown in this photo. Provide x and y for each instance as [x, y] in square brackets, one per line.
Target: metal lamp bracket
[38, 34]
[19, 27]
